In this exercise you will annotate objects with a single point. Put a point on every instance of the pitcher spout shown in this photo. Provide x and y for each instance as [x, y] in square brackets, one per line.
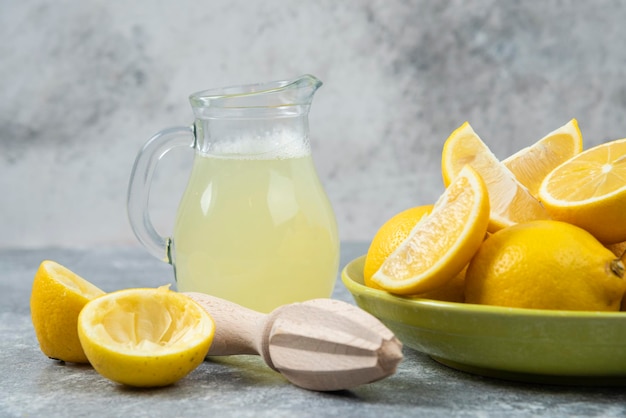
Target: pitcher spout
[275, 94]
[304, 88]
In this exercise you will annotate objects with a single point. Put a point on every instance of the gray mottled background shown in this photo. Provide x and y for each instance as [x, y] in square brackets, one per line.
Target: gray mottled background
[83, 84]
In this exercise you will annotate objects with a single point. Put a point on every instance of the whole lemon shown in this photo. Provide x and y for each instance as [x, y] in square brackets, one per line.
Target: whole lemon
[389, 236]
[545, 265]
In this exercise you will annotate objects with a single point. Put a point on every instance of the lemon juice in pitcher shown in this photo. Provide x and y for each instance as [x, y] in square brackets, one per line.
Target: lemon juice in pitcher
[260, 227]
[254, 224]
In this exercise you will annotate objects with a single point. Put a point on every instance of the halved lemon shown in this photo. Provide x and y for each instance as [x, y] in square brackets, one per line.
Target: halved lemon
[145, 337]
[589, 190]
[509, 200]
[443, 242]
[532, 164]
[57, 297]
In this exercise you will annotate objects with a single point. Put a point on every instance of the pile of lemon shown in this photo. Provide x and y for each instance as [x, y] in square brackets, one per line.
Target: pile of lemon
[544, 228]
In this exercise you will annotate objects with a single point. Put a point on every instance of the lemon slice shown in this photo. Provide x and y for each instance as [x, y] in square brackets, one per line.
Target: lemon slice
[532, 164]
[145, 337]
[509, 200]
[56, 299]
[589, 190]
[442, 243]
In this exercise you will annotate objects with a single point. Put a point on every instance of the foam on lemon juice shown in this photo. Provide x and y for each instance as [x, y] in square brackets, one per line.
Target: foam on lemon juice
[256, 229]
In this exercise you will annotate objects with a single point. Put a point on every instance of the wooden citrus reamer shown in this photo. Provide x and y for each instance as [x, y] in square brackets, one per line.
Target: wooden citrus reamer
[321, 344]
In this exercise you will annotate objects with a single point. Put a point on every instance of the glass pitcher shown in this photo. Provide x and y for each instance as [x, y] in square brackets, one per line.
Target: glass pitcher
[254, 225]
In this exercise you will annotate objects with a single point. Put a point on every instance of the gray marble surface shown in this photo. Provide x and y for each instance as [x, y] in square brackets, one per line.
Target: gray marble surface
[83, 84]
[242, 386]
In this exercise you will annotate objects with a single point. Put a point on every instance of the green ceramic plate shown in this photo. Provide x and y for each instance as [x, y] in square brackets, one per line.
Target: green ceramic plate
[560, 347]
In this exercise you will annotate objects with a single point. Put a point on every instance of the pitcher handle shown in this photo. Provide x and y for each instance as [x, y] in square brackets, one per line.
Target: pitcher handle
[141, 180]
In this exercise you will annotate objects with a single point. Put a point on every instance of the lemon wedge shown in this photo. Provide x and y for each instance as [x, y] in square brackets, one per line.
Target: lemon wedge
[532, 164]
[443, 242]
[510, 201]
[57, 297]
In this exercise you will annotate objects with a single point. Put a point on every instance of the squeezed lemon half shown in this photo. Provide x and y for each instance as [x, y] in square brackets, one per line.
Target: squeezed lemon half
[145, 337]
